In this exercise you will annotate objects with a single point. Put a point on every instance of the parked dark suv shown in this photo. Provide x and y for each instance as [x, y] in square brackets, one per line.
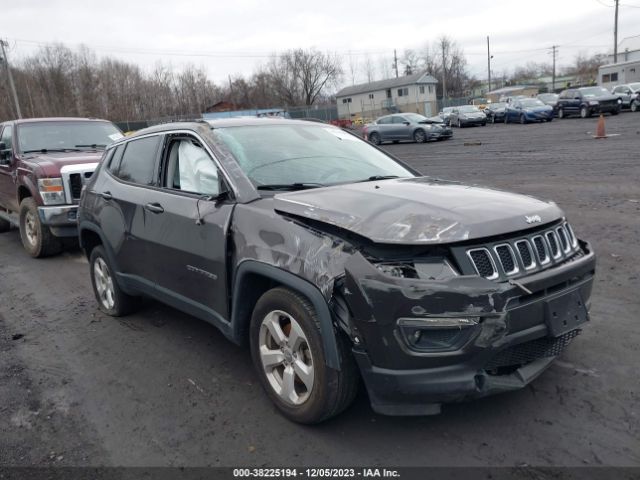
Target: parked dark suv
[586, 101]
[43, 165]
[333, 260]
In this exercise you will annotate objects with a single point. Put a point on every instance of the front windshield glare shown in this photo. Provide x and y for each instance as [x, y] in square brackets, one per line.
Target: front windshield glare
[59, 136]
[469, 108]
[531, 103]
[594, 91]
[313, 154]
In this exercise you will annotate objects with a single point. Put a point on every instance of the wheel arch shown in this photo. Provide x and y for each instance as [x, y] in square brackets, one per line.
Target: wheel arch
[253, 279]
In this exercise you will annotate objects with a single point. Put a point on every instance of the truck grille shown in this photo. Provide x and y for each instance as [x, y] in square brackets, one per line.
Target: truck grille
[533, 350]
[541, 248]
[74, 178]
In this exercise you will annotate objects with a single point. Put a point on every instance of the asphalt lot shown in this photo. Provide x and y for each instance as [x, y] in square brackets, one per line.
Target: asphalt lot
[160, 388]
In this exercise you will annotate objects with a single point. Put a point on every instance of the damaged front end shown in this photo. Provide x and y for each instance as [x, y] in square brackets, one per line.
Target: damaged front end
[430, 330]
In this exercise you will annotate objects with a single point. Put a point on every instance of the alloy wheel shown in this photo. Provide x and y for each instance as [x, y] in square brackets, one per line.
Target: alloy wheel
[31, 228]
[286, 357]
[104, 283]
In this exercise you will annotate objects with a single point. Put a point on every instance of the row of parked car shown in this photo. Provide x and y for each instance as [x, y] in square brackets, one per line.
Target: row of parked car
[302, 241]
[583, 102]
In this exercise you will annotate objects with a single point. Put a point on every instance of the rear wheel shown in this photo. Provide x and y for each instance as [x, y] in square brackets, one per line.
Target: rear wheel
[459, 124]
[111, 299]
[37, 238]
[560, 113]
[419, 136]
[288, 354]
[584, 112]
[492, 119]
[374, 138]
[523, 120]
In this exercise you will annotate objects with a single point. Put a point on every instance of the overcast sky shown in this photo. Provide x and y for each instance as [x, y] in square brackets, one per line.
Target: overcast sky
[234, 36]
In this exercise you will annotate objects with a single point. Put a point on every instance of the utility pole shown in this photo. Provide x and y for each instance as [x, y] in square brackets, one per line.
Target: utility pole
[395, 62]
[615, 35]
[554, 51]
[3, 44]
[444, 74]
[488, 64]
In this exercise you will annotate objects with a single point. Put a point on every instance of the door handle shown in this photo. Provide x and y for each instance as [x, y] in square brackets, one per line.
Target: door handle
[106, 195]
[154, 207]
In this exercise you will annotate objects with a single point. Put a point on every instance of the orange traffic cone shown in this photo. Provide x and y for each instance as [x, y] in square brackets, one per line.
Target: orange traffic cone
[600, 132]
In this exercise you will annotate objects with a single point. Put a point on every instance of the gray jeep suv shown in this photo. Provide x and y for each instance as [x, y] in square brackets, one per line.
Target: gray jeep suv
[332, 260]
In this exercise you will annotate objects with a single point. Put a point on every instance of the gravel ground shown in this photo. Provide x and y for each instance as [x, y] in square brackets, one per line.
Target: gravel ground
[160, 388]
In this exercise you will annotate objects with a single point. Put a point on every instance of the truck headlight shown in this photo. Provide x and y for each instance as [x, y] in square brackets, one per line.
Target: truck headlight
[51, 191]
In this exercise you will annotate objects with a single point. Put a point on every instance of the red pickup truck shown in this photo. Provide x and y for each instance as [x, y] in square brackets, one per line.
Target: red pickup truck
[44, 164]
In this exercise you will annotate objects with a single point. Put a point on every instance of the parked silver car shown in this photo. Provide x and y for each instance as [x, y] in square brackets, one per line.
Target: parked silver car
[405, 126]
[628, 95]
[467, 115]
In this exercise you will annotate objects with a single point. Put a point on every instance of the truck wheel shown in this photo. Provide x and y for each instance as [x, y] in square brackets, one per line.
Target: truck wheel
[37, 239]
[111, 299]
[288, 354]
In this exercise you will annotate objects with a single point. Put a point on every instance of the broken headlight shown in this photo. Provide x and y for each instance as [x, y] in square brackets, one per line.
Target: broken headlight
[433, 268]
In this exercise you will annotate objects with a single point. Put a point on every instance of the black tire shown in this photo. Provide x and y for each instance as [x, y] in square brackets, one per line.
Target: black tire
[123, 304]
[375, 138]
[617, 110]
[560, 113]
[37, 238]
[584, 112]
[332, 390]
[484, 124]
[523, 120]
[395, 142]
[5, 226]
[550, 119]
[634, 106]
[420, 136]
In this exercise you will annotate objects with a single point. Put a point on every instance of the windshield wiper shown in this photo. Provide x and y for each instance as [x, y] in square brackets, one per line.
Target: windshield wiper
[378, 177]
[47, 150]
[290, 186]
[94, 145]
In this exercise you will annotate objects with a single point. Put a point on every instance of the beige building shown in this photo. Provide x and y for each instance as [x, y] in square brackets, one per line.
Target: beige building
[411, 93]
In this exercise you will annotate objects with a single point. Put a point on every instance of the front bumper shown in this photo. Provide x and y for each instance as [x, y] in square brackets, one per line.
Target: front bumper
[473, 121]
[61, 219]
[441, 134]
[538, 117]
[605, 108]
[514, 342]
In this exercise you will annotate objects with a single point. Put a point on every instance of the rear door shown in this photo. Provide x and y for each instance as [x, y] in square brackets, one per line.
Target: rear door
[186, 224]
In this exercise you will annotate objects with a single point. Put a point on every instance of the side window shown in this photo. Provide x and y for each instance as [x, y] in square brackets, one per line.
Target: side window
[7, 137]
[138, 161]
[397, 120]
[384, 121]
[116, 158]
[189, 168]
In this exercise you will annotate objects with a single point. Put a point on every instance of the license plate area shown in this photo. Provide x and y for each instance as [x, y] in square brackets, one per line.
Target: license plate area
[564, 313]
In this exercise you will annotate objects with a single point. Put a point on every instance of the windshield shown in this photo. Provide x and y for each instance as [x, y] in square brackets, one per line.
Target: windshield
[305, 154]
[548, 97]
[531, 102]
[414, 117]
[594, 92]
[635, 86]
[496, 105]
[468, 109]
[61, 136]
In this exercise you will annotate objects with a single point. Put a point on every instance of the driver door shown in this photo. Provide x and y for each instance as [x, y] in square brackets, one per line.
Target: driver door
[189, 220]
[8, 193]
[401, 128]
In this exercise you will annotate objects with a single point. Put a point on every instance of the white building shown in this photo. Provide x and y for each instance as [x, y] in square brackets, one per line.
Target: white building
[411, 93]
[628, 50]
[619, 73]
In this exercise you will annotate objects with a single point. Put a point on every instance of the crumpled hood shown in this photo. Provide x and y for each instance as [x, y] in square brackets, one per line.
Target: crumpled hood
[417, 211]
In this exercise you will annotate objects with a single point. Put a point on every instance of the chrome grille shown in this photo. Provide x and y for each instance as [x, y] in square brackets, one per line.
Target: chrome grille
[507, 259]
[483, 263]
[526, 254]
[529, 252]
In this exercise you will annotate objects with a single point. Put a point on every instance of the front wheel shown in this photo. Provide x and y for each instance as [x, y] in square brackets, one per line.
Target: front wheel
[459, 124]
[560, 113]
[523, 120]
[419, 136]
[492, 119]
[634, 106]
[37, 238]
[288, 354]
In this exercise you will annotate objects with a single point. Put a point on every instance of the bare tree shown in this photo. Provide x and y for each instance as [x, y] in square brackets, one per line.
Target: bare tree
[369, 69]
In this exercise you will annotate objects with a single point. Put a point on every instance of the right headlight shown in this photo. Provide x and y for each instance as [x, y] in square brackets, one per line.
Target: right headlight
[51, 191]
